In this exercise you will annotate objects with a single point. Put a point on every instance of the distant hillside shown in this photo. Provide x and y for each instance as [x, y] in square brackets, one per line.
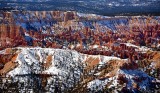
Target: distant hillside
[101, 7]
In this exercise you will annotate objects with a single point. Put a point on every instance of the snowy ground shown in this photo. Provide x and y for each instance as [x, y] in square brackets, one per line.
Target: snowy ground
[66, 68]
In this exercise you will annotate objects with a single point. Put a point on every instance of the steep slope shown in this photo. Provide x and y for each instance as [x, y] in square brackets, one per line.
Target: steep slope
[64, 65]
[46, 69]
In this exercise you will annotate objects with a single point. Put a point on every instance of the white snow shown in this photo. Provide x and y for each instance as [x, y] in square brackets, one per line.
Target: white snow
[129, 44]
[105, 59]
[136, 73]
[129, 75]
[95, 46]
[142, 48]
[52, 70]
[65, 64]
[2, 51]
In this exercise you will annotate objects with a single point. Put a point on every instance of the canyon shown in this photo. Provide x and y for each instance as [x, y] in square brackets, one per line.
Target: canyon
[67, 51]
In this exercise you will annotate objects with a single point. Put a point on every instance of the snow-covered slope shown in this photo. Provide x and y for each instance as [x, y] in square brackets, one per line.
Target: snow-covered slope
[130, 79]
[69, 68]
[64, 64]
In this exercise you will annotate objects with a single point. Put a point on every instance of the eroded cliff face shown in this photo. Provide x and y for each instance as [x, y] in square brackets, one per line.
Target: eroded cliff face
[71, 71]
[69, 29]
[123, 37]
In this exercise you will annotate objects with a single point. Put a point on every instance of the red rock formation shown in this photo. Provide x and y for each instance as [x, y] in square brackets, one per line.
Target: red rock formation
[129, 66]
[122, 79]
[68, 16]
